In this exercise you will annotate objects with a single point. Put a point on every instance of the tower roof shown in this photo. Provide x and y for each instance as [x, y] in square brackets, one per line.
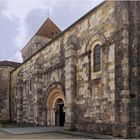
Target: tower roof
[48, 29]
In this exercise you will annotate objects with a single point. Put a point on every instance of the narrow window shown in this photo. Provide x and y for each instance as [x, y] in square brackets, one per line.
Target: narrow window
[96, 56]
[30, 84]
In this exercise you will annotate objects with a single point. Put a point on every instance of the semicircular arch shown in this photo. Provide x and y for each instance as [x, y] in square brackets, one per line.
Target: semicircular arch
[53, 90]
[53, 96]
[96, 39]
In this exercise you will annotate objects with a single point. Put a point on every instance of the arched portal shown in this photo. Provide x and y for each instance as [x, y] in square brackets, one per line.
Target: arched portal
[55, 106]
[59, 113]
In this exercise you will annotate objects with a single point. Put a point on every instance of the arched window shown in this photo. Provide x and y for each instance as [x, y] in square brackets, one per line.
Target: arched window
[97, 59]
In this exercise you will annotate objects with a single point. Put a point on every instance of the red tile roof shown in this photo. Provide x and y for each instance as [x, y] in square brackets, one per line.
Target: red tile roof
[48, 29]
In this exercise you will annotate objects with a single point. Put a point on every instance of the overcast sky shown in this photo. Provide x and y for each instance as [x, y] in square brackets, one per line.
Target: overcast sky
[20, 19]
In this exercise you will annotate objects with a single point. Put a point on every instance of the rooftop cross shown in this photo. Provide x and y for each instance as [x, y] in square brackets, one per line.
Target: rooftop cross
[48, 12]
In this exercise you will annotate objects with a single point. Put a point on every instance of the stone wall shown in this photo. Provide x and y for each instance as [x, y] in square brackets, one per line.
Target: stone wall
[94, 93]
[4, 93]
[127, 107]
[42, 70]
[36, 43]
[95, 90]
[100, 101]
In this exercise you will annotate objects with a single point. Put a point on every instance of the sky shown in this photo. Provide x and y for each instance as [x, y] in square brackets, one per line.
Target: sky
[20, 20]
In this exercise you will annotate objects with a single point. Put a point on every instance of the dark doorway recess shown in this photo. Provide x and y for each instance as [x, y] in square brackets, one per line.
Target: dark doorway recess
[59, 114]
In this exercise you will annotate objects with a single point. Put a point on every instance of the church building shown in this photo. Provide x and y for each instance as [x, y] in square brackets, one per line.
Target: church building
[86, 77]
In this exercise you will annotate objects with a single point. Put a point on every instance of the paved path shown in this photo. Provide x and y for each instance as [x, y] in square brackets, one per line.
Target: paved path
[31, 130]
[39, 136]
[52, 131]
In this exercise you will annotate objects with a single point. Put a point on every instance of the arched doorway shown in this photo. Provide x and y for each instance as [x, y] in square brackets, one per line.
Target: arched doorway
[55, 106]
[59, 113]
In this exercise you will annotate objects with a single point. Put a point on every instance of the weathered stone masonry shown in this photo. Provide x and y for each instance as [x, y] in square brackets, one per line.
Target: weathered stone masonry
[5, 68]
[127, 69]
[105, 101]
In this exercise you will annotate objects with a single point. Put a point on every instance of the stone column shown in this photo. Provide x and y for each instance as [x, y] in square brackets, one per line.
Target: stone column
[126, 70]
[38, 93]
[134, 106]
[70, 85]
[122, 88]
[35, 99]
[44, 116]
[48, 116]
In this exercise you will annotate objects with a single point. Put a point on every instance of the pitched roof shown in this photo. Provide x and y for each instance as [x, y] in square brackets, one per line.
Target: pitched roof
[9, 63]
[48, 29]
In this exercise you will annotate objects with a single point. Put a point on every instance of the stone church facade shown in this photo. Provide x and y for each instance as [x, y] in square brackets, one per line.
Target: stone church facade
[86, 77]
